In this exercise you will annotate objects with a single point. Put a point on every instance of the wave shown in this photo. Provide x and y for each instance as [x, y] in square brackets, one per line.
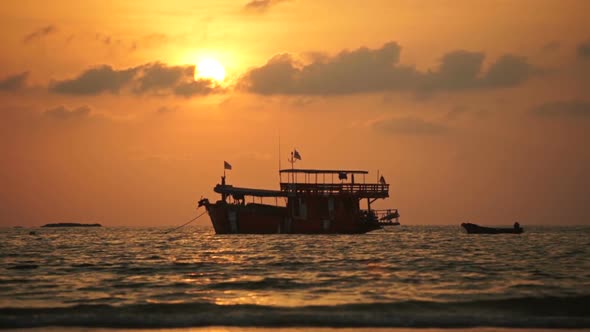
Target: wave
[547, 312]
[23, 267]
[265, 283]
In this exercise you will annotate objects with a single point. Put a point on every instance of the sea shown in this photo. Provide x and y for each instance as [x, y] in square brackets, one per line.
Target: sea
[397, 278]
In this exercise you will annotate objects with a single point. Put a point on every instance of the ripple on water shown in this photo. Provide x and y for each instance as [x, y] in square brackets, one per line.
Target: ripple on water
[123, 265]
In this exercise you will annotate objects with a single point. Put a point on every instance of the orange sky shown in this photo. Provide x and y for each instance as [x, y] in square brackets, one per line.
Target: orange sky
[473, 110]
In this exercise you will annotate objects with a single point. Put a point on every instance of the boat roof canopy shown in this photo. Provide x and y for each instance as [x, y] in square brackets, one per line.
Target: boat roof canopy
[240, 192]
[322, 171]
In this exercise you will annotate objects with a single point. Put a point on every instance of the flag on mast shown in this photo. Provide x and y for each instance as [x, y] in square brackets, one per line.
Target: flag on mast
[296, 154]
[226, 165]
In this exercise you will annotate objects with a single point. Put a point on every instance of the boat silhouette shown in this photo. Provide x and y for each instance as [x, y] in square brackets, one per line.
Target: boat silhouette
[476, 229]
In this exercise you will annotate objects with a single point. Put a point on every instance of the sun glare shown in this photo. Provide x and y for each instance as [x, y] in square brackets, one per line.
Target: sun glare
[210, 69]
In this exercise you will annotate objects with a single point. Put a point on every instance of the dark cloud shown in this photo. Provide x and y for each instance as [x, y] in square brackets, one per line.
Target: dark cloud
[260, 6]
[551, 46]
[279, 75]
[122, 44]
[39, 33]
[151, 78]
[361, 70]
[14, 82]
[63, 113]
[107, 40]
[158, 76]
[462, 70]
[507, 71]
[564, 108]
[198, 87]
[410, 126]
[458, 70]
[95, 81]
[374, 70]
[583, 50]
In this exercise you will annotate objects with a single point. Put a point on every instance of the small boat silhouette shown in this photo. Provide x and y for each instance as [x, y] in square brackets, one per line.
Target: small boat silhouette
[476, 229]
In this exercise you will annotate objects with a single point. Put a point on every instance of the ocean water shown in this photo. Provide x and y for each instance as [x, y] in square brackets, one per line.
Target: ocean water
[408, 276]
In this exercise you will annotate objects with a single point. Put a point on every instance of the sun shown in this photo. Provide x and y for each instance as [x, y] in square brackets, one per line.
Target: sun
[210, 69]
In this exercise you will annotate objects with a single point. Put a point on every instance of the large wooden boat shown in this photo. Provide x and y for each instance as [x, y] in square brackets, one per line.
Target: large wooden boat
[309, 201]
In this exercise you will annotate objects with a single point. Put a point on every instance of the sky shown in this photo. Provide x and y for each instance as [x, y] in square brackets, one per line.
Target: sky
[472, 110]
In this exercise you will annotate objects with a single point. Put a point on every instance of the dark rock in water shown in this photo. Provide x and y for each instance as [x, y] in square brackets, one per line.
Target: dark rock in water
[71, 224]
[32, 233]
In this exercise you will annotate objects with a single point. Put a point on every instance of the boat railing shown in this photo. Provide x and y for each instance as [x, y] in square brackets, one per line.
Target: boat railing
[363, 190]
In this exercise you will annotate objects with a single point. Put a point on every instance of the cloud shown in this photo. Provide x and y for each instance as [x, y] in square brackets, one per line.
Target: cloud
[583, 50]
[574, 108]
[95, 81]
[375, 70]
[508, 70]
[198, 87]
[63, 113]
[152, 78]
[39, 33]
[14, 82]
[409, 126]
[260, 6]
[551, 46]
[461, 70]
[279, 75]
[158, 76]
[358, 71]
[458, 70]
[106, 39]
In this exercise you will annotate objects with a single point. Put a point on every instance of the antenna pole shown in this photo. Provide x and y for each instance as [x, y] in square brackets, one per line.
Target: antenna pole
[292, 167]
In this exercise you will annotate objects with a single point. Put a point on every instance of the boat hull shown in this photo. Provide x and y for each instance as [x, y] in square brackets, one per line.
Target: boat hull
[269, 219]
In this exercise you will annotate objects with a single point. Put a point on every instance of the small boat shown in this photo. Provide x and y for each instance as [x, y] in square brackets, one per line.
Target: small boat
[476, 229]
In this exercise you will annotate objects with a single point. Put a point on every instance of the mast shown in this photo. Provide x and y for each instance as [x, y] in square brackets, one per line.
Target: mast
[279, 158]
[292, 160]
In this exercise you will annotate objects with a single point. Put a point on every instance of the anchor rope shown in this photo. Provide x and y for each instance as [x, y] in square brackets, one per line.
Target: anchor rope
[188, 222]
